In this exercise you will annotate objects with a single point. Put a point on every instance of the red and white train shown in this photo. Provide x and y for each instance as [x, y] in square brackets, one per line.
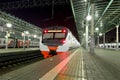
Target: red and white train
[17, 43]
[56, 40]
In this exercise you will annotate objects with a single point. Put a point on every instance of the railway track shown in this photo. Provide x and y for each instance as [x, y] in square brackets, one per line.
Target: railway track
[8, 62]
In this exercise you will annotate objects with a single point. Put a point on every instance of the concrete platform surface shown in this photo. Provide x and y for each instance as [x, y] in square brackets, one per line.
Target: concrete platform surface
[77, 64]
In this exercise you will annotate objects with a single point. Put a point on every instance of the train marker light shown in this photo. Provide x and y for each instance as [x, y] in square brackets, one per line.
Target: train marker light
[64, 31]
[63, 41]
[45, 31]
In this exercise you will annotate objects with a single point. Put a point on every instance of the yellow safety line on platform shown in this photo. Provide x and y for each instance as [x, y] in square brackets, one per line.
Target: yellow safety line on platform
[83, 71]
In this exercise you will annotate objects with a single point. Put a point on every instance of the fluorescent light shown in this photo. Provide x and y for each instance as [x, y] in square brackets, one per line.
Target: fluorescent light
[89, 17]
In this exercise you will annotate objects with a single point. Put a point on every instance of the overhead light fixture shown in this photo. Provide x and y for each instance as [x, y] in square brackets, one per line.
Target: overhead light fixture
[35, 36]
[117, 26]
[96, 13]
[100, 34]
[22, 34]
[96, 28]
[85, 0]
[26, 32]
[9, 25]
[89, 18]
[83, 34]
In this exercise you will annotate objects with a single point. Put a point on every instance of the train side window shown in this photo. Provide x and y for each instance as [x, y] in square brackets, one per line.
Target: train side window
[4, 42]
[60, 35]
[48, 36]
[0, 41]
[113, 46]
[119, 46]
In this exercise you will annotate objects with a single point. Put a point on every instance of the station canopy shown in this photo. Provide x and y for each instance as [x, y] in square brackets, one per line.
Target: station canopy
[16, 27]
[106, 14]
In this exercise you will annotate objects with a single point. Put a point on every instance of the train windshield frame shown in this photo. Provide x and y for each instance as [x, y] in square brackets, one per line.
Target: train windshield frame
[54, 36]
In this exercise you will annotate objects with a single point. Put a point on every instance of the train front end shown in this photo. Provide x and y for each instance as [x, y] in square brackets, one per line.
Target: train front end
[53, 41]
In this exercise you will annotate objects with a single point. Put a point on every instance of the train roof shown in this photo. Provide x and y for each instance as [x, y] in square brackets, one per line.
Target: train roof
[56, 27]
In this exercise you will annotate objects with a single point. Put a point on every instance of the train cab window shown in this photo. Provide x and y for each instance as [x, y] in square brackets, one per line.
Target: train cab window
[48, 36]
[59, 35]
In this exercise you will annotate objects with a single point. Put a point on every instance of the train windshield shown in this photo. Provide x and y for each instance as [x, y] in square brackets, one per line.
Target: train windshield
[54, 36]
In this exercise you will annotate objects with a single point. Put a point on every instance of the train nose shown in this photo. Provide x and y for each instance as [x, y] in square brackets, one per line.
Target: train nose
[52, 52]
[53, 48]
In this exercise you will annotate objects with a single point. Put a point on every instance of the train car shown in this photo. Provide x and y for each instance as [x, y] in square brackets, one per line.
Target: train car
[34, 44]
[109, 45]
[56, 40]
[2, 42]
[11, 43]
[17, 43]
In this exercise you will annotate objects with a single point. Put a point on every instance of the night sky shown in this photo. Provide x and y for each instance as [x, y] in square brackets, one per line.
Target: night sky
[42, 16]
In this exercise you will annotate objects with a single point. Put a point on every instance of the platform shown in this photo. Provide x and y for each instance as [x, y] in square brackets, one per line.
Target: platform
[77, 64]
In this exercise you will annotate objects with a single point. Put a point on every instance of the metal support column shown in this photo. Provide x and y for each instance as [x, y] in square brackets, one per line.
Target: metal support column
[28, 42]
[86, 29]
[6, 40]
[92, 43]
[86, 36]
[83, 36]
[104, 40]
[24, 41]
[98, 40]
[117, 37]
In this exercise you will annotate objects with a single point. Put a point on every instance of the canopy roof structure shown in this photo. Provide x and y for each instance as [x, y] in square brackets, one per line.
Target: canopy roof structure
[106, 14]
[17, 27]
